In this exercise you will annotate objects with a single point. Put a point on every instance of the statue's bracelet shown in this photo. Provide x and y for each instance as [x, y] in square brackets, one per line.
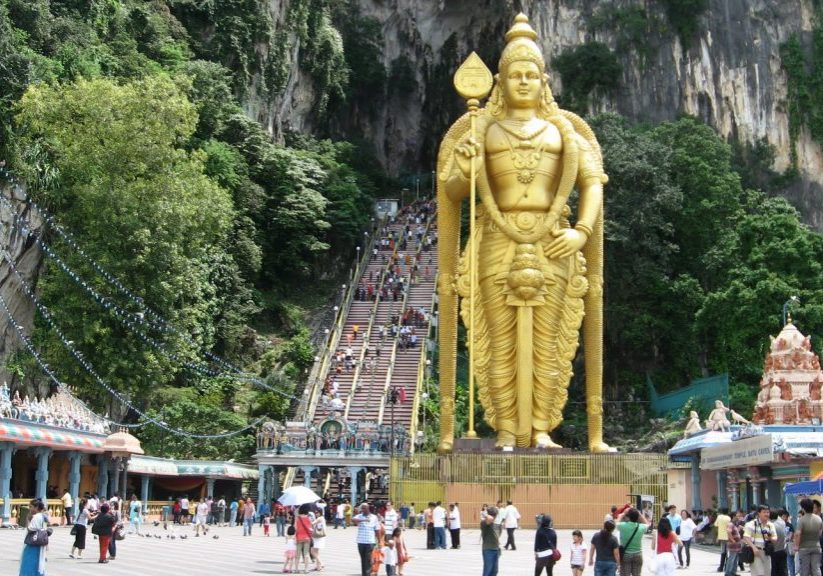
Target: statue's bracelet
[580, 227]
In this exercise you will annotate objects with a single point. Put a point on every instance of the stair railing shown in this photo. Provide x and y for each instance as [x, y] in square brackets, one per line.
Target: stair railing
[358, 369]
[320, 369]
[390, 371]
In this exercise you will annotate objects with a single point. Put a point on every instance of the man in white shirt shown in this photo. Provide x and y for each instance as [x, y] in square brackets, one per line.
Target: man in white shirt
[367, 528]
[511, 523]
[439, 524]
[756, 534]
[68, 502]
[499, 518]
[389, 519]
[184, 509]
[454, 525]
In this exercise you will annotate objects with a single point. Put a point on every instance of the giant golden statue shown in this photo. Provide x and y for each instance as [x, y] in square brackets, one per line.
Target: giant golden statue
[534, 273]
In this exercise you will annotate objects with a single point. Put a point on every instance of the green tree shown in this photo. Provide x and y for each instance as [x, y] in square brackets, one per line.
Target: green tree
[141, 205]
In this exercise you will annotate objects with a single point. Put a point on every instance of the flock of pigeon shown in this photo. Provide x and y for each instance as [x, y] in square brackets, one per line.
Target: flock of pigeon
[171, 532]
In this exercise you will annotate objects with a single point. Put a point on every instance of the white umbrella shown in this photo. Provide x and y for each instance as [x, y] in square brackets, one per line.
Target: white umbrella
[297, 495]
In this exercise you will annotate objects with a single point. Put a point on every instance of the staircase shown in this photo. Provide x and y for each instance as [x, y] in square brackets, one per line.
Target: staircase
[387, 364]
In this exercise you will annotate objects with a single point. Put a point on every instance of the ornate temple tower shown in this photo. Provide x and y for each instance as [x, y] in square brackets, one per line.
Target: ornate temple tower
[790, 388]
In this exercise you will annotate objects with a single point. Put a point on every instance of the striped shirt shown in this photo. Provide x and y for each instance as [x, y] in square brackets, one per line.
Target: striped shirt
[366, 528]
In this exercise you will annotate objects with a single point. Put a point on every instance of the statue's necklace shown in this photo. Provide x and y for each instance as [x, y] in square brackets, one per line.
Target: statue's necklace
[526, 156]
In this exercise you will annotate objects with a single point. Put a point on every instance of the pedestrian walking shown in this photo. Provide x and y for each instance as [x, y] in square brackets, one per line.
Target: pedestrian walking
[631, 525]
[33, 559]
[607, 550]
[135, 514]
[512, 519]
[318, 540]
[490, 539]
[303, 528]
[454, 525]
[807, 539]
[687, 528]
[760, 534]
[664, 545]
[402, 551]
[248, 516]
[233, 512]
[114, 510]
[439, 524]
[734, 543]
[291, 551]
[103, 527]
[545, 543]
[577, 553]
[367, 528]
[81, 524]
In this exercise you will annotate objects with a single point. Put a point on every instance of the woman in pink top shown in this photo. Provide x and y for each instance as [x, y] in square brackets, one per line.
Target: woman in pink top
[665, 542]
[303, 527]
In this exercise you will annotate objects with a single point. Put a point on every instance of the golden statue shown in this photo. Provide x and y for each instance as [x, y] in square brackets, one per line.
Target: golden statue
[534, 273]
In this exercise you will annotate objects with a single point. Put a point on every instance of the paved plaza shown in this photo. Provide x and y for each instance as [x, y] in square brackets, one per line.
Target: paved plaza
[231, 554]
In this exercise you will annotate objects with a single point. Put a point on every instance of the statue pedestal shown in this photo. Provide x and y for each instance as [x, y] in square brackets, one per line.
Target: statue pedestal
[486, 446]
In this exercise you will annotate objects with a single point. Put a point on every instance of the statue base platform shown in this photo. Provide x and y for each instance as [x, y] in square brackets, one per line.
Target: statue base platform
[486, 446]
[576, 488]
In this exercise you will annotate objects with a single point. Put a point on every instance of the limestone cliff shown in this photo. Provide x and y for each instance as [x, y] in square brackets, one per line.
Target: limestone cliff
[729, 74]
[27, 258]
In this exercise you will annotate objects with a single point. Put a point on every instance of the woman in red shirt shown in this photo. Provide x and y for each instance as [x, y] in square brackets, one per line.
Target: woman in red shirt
[665, 542]
[303, 530]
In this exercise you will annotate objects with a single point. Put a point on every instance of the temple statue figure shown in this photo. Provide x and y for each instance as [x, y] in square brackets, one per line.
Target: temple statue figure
[536, 272]
[717, 418]
[693, 425]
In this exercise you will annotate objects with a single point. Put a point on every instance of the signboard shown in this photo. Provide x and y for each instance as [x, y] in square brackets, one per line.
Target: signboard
[745, 452]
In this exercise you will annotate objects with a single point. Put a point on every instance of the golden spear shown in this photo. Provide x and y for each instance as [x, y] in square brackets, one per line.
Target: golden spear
[473, 81]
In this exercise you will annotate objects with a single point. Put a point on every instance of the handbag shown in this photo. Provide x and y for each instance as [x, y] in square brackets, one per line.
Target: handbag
[556, 555]
[37, 538]
[318, 532]
[622, 549]
[120, 532]
[746, 554]
[73, 531]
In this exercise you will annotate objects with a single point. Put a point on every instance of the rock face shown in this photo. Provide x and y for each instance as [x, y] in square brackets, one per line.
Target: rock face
[729, 74]
[25, 254]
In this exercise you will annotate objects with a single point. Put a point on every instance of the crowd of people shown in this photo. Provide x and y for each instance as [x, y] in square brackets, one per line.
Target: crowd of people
[767, 540]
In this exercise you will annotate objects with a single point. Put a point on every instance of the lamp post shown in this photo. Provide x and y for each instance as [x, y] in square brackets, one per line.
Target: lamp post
[786, 304]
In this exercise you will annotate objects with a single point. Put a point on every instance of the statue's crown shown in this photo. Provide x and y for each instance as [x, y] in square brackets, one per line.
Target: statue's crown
[521, 45]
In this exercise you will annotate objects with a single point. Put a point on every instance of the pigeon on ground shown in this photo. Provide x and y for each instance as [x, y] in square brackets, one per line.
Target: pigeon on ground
[216, 536]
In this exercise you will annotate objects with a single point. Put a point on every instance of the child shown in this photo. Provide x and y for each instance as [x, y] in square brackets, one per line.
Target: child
[376, 560]
[400, 549]
[291, 551]
[390, 557]
[266, 524]
[578, 553]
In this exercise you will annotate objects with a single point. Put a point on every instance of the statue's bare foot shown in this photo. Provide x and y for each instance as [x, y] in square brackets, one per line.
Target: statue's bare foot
[600, 446]
[445, 446]
[505, 440]
[543, 440]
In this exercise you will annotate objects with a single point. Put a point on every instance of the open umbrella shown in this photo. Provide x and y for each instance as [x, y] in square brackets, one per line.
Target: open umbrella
[297, 495]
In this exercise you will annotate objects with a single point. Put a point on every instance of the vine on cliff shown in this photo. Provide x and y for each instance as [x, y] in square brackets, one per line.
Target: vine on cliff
[804, 74]
[585, 68]
[684, 16]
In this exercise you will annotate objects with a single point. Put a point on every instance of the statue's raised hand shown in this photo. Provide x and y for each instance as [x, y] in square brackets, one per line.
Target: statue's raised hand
[465, 150]
[566, 242]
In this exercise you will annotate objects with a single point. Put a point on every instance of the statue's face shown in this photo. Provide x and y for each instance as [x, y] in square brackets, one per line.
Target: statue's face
[522, 85]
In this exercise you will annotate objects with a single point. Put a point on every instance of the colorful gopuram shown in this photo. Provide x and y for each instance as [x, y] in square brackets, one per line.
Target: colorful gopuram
[792, 378]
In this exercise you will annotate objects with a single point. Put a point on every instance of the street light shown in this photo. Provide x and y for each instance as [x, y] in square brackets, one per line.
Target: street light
[792, 300]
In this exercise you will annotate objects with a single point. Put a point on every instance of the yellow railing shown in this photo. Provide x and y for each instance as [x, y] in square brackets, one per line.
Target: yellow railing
[421, 374]
[533, 468]
[358, 369]
[54, 507]
[320, 369]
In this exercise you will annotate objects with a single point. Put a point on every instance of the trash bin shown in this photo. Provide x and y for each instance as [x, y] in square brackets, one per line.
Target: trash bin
[23, 515]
